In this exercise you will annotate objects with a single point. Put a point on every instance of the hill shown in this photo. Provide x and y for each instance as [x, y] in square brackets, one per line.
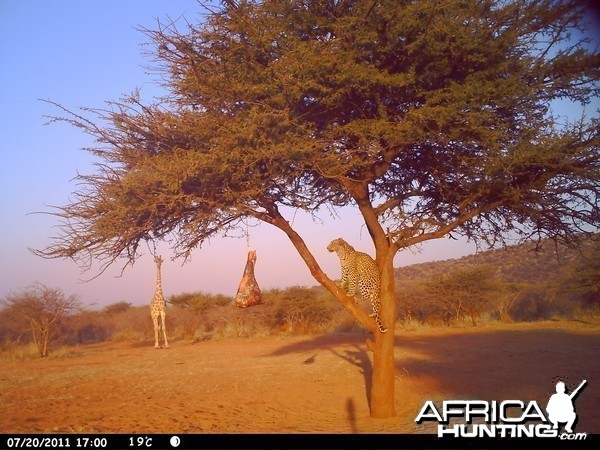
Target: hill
[516, 263]
[520, 282]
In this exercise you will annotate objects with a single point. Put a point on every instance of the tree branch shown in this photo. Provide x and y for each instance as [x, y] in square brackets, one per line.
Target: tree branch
[276, 219]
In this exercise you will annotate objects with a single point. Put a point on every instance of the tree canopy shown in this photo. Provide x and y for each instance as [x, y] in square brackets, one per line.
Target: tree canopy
[431, 116]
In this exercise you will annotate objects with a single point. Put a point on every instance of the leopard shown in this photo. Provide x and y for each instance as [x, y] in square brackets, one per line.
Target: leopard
[359, 270]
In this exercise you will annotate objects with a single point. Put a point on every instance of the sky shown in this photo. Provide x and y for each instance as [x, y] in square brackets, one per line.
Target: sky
[81, 54]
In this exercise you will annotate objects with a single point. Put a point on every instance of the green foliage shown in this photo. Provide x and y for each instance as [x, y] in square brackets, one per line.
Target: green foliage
[450, 295]
[116, 308]
[433, 116]
[196, 316]
[294, 310]
[199, 302]
[298, 309]
[468, 291]
[582, 279]
[515, 283]
[91, 326]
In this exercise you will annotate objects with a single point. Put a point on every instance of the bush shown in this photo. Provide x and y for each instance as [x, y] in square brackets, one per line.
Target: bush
[40, 311]
[295, 310]
[199, 302]
[198, 315]
[87, 327]
[116, 308]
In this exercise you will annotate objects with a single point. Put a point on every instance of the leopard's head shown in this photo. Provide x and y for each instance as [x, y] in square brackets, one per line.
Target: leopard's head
[338, 244]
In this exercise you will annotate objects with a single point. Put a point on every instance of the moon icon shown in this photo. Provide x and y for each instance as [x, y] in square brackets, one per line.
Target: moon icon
[175, 441]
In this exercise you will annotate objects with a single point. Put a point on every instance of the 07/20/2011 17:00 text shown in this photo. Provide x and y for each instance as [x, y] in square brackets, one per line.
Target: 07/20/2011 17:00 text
[75, 442]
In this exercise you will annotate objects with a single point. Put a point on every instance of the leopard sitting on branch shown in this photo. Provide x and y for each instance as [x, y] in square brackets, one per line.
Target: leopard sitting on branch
[358, 268]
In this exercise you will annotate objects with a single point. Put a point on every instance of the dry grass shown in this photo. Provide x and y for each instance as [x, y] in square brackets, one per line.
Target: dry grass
[292, 383]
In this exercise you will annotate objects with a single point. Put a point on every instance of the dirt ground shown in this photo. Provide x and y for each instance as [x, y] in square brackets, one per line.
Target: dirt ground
[293, 384]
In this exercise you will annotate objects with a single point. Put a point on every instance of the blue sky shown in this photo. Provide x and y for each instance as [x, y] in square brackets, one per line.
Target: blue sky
[82, 53]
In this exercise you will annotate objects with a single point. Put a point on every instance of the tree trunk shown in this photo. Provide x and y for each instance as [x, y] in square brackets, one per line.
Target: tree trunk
[383, 373]
[38, 337]
[249, 293]
[384, 368]
[45, 341]
[473, 318]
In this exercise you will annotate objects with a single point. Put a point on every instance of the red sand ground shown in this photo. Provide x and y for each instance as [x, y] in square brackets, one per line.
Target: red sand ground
[293, 384]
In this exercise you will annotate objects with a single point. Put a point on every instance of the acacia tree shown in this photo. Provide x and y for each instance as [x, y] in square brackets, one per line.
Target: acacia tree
[39, 310]
[468, 291]
[429, 117]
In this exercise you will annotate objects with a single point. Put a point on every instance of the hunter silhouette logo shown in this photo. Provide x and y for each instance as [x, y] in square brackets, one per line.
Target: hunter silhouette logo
[560, 407]
[506, 418]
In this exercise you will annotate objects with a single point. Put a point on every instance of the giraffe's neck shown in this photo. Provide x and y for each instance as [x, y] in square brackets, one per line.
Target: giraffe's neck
[158, 295]
[158, 282]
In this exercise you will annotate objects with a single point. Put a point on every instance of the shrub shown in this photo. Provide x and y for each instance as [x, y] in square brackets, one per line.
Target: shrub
[116, 308]
[199, 302]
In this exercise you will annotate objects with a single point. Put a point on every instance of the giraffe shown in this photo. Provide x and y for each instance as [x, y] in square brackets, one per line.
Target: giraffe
[158, 306]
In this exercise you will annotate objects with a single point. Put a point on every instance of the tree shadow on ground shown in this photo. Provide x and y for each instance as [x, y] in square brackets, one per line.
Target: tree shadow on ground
[483, 364]
[322, 342]
[348, 347]
[500, 364]
[358, 357]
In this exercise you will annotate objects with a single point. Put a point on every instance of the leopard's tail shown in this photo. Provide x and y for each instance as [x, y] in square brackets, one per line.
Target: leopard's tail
[382, 329]
[375, 315]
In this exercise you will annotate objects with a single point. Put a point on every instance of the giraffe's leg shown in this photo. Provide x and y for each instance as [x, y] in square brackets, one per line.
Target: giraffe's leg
[155, 322]
[164, 329]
